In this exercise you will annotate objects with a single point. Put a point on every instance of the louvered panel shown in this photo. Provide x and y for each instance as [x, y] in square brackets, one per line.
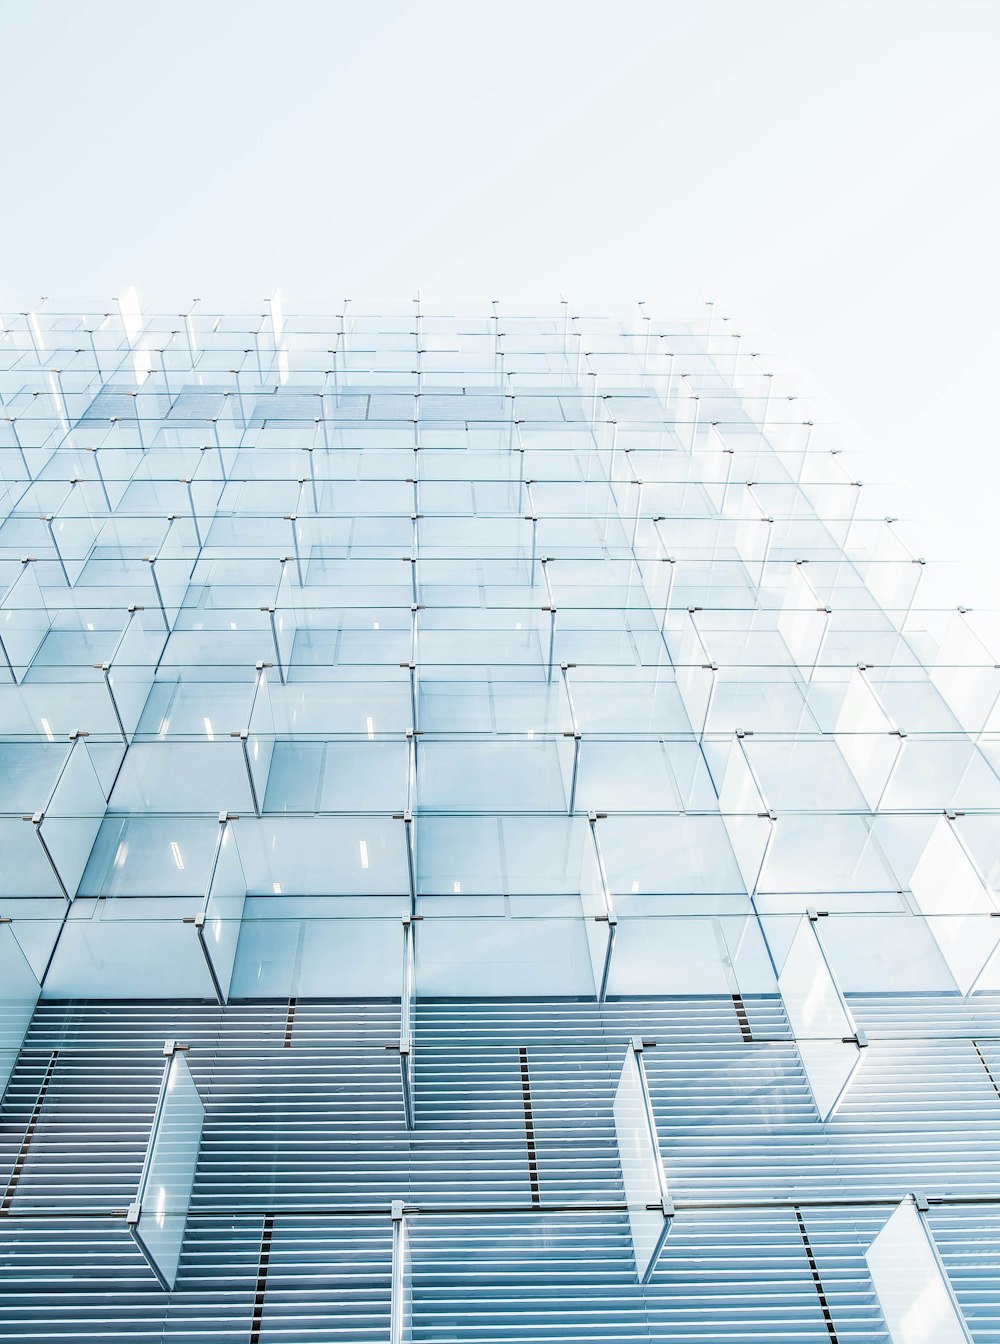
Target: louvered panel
[968, 1240]
[291, 1126]
[321, 1279]
[300, 1128]
[75, 1279]
[741, 1122]
[722, 1277]
[74, 1128]
[113, 1026]
[573, 1022]
[85, 1026]
[524, 1278]
[924, 1015]
[739, 1275]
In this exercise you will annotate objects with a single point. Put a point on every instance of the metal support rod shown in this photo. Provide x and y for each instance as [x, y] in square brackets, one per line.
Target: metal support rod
[36, 819]
[274, 639]
[609, 917]
[100, 476]
[244, 740]
[151, 562]
[47, 519]
[406, 1004]
[194, 512]
[105, 670]
[399, 1287]
[411, 858]
[577, 750]
[292, 520]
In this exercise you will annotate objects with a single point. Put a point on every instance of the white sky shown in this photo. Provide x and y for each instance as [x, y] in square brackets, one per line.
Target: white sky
[828, 171]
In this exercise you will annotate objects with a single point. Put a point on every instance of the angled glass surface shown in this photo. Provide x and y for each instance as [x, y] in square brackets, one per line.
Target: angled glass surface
[73, 816]
[158, 1214]
[220, 921]
[649, 1206]
[24, 623]
[824, 1030]
[913, 1289]
[946, 886]
[745, 815]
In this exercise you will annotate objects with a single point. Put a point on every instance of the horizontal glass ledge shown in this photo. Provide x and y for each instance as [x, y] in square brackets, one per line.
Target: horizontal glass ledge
[220, 734]
[553, 810]
[388, 423]
[362, 580]
[114, 950]
[688, 521]
[448, 468]
[543, 464]
[527, 910]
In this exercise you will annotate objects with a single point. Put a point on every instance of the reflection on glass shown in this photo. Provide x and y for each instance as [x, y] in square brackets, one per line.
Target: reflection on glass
[650, 1209]
[945, 885]
[913, 1289]
[220, 921]
[158, 1214]
[821, 1022]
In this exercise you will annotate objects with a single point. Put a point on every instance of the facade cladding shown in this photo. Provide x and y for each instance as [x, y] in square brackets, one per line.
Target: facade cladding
[525, 784]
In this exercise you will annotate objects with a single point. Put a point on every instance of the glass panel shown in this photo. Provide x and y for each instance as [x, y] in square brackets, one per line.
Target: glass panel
[133, 666]
[183, 777]
[73, 817]
[25, 869]
[324, 856]
[803, 621]
[863, 735]
[641, 1166]
[695, 677]
[945, 884]
[689, 956]
[24, 623]
[819, 1019]
[503, 958]
[260, 739]
[490, 777]
[283, 957]
[744, 814]
[221, 920]
[964, 671]
[128, 950]
[917, 1300]
[159, 1212]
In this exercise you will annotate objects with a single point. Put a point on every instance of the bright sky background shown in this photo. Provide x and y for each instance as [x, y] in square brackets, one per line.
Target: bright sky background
[828, 171]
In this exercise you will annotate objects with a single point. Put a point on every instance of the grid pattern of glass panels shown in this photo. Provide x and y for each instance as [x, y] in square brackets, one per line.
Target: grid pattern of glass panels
[444, 726]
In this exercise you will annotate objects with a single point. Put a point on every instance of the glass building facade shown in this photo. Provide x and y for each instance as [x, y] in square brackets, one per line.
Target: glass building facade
[497, 843]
